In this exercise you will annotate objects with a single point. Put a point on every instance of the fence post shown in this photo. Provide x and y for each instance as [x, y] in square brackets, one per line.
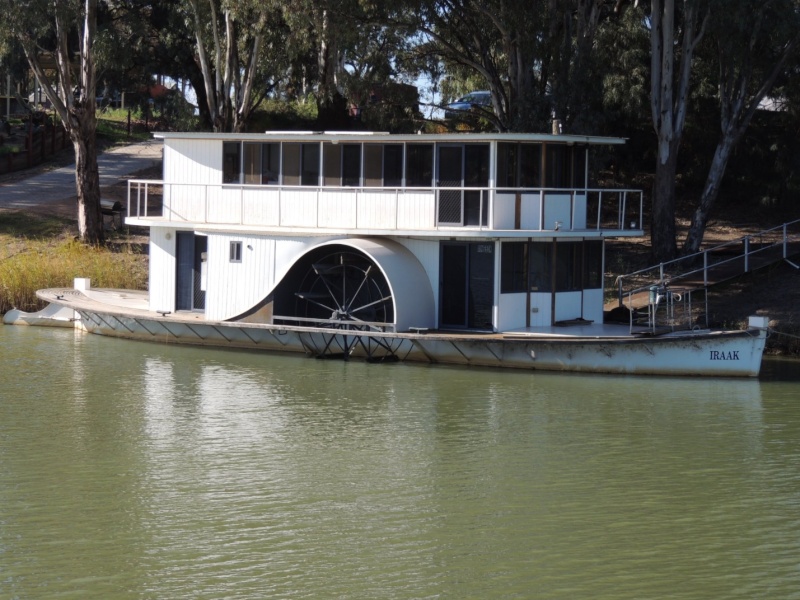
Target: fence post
[705, 268]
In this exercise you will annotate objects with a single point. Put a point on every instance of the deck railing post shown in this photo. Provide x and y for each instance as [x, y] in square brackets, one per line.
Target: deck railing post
[747, 254]
[785, 235]
[624, 208]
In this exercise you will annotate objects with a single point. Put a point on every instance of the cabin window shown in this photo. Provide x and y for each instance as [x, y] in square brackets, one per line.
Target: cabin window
[513, 267]
[351, 165]
[569, 266]
[419, 165]
[525, 266]
[270, 163]
[566, 167]
[373, 165]
[252, 163]
[291, 164]
[236, 252]
[530, 165]
[332, 167]
[540, 267]
[593, 264]
[261, 163]
[519, 165]
[393, 165]
[579, 167]
[557, 172]
[231, 162]
[310, 167]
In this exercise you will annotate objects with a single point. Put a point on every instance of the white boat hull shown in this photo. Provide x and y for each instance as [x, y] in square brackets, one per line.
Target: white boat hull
[734, 353]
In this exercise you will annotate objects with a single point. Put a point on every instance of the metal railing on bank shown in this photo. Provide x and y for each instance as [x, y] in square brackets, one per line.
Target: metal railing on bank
[660, 297]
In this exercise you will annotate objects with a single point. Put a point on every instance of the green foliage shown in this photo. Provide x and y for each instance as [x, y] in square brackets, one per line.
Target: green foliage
[279, 115]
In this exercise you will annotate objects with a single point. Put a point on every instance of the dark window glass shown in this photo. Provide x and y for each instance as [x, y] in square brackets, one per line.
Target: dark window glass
[270, 163]
[373, 165]
[252, 163]
[236, 252]
[506, 165]
[558, 167]
[569, 266]
[540, 266]
[393, 165]
[310, 168]
[351, 164]
[476, 165]
[231, 162]
[593, 264]
[513, 269]
[530, 165]
[291, 164]
[419, 165]
[579, 167]
[331, 164]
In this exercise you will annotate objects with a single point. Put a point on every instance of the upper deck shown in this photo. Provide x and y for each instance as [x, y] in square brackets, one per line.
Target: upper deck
[481, 185]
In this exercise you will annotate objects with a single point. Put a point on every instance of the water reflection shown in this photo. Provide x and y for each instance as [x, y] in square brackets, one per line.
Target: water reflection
[131, 470]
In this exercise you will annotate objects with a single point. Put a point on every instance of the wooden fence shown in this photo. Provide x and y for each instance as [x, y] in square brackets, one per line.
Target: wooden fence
[39, 144]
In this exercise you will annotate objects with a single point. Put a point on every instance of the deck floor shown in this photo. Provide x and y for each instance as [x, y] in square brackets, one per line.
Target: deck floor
[135, 303]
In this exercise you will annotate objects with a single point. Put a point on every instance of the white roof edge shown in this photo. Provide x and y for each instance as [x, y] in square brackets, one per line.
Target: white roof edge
[391, 137]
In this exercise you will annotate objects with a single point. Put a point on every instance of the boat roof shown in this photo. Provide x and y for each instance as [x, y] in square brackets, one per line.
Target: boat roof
[378, 136]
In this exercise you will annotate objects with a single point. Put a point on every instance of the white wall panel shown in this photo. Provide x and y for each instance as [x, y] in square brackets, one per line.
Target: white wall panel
[377, 210]
[504, 211]
[427, 252]
[298, 208]
[512, 312]
[569, 305]
[593, 305]
[557, 207]
[337, 209]
[416, 210]
[541, 309]
[261, 207]
[225, 205]
[193, 161]
[235, 288]
[531, 216]
[579, 212]
[162, 269]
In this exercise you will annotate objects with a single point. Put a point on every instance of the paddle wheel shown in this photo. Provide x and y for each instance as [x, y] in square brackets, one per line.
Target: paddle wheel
[343, 289]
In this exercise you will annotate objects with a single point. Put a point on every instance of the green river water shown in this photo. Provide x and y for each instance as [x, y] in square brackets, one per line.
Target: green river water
[131, 470]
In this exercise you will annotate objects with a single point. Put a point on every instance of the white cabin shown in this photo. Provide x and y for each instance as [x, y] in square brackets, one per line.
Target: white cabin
[478, 232]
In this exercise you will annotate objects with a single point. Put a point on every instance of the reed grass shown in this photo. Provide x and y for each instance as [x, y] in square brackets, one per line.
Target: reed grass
[38, 253]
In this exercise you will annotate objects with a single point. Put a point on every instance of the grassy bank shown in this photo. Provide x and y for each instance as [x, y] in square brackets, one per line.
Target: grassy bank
[41, 252]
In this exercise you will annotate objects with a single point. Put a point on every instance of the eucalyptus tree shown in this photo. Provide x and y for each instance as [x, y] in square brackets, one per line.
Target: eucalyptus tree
[538, 59]
[754, 43]
[57, 39]
[676, 28]
[230, 39]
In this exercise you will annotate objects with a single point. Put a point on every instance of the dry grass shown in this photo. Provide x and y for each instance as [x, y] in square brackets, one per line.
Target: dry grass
[39, 252]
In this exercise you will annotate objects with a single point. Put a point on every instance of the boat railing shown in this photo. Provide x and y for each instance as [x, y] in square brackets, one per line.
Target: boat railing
[401, 208]
[671, 284]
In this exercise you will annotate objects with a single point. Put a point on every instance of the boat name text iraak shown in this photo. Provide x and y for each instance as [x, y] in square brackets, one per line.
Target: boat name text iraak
[722, 355]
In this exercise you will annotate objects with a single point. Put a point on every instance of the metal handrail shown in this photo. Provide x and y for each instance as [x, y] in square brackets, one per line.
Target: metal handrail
[663, 275]
[140, 188]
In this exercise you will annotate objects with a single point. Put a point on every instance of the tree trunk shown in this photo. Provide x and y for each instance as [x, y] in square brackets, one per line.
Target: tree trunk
[87, 184]
[694, 237]
[662, 225]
